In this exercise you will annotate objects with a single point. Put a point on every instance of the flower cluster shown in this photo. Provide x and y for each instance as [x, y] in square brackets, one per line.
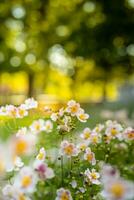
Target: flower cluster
[18, 111]
[80, 168]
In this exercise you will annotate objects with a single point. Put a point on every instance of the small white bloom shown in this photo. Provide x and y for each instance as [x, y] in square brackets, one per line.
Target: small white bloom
[86, 133]
[89, 156]
[26, 180]
[21, 131]
[82, 116]
[68, 149]
[63, 194]
[41, 155]
[54, 117]
[73, 183]
[30, 104]
[92, 176]
[72, 107]
[48, 126]
[37, 126]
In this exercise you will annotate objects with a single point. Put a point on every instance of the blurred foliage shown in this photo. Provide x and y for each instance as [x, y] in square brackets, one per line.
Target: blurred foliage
[76, 46]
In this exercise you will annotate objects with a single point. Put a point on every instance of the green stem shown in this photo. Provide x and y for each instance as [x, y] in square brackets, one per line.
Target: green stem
[62, 162]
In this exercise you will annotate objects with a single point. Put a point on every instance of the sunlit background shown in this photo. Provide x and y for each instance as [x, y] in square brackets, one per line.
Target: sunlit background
[57, 50]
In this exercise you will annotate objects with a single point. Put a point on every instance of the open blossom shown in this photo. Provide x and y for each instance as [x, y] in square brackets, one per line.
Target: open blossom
[89, 156]
[115, 187]
[82, 146]
[11, 111]
[54, 117]
[68, 149]
[3, 111]
[129, 133]
[114, 130]
[86, 133]
[30, 103]
[48, 126]
[37, 126]
[118, 190]
[22, 131]
[41, 155]
[26, 180]
[23, 145]
[92, 176]
[63, 194]
[95, 138]
[82, 116]
[44, 172]
[12, 192]
[21, 112]
[73, 107]
[98, 128]
[14, 164]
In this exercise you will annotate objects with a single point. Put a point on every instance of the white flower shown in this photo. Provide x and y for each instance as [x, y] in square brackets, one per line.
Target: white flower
[37, 126]
[11, 111]
[63, 194]
[73, 183]
[114, 130]
[21, 112]
[129, 133]
[23, 144]
[30, 103]
[118, 189]
[72, 107]
[15, 164]
[86, 134]
[12, 192]
[82, 116]
[21, 131]
[68, 149]
[98, 128]
[26, 180]
[82, 189]
[9, 191]
[41, 155]
[82, 146]
[89, 156]
[48, 126]
[3, 111]
[92, 176]
[95, 138]
[54, 117]
[44, 172]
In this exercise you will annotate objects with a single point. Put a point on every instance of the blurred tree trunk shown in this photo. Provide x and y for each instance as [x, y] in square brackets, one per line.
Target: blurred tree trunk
[30, 85]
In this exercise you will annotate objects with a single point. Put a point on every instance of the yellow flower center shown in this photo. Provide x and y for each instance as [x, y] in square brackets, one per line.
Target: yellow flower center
[21, 147]
[74, 109]
[37, 127]
[13, 112]
[89, 156]
[86, 135]
[22, 197]
[21, 112]
[95, 139]
[82, 147]
[40, 156]
[131, 135]
[26, 181]
[93, 175]
[114, 131]
[64, 196]
[117, 190]
[69, 149]
[82, 116]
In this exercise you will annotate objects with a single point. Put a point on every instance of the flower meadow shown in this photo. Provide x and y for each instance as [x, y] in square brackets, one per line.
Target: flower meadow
[53, 159]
